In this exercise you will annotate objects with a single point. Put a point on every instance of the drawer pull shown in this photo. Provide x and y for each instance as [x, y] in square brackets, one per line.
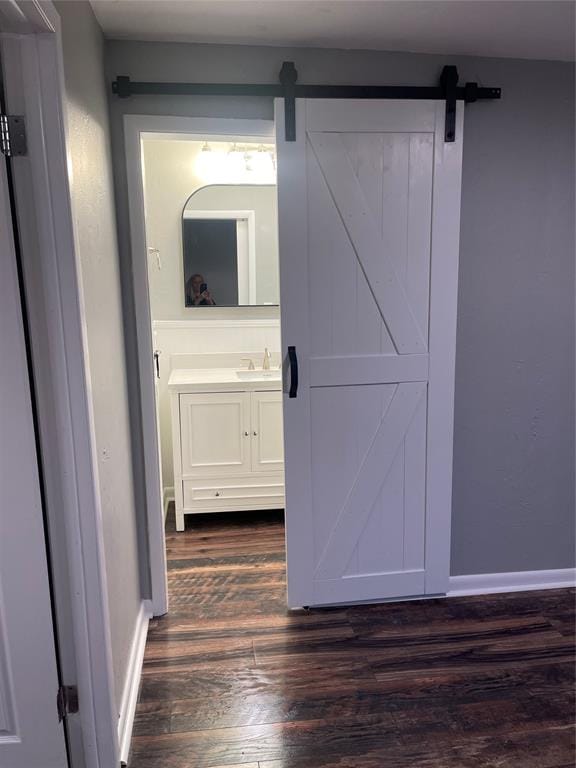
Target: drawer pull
[255, 433]
[217, 493]
[246, 434]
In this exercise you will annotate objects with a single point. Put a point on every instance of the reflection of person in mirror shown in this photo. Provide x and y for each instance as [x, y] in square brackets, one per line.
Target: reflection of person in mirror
[197, 293]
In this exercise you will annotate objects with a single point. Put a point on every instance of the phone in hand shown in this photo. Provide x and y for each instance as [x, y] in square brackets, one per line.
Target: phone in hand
[203, 287]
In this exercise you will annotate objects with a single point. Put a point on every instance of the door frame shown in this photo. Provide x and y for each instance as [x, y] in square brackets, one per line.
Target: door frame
[135, 126]
[34, 82]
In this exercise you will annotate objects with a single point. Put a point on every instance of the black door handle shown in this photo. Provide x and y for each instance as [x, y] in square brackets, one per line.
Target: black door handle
[292, 357]
[157, 362]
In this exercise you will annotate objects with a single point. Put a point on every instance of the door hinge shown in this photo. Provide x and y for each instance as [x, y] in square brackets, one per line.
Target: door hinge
[13, 135]
[67, 701]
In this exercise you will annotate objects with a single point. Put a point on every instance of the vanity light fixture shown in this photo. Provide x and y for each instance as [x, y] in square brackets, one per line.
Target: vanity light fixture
[262, 163]
[236, 164]
[204, 162]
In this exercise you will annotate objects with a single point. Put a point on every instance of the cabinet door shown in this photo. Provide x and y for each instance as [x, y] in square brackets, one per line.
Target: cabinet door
[267, 435]
[215, 433]
[369, 200]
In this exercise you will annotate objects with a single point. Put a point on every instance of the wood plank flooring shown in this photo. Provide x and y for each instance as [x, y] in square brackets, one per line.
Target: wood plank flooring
[231, 678]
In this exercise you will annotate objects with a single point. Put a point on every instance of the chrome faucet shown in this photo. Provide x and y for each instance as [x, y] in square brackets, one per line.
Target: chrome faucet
[266, 360]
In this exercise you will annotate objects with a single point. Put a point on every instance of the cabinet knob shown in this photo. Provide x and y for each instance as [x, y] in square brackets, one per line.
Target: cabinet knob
[255, 433]
[217, 493]
[246, 434]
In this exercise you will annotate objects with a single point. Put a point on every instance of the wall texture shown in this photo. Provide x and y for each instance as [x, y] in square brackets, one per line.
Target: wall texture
[513, 501]
[95, 231]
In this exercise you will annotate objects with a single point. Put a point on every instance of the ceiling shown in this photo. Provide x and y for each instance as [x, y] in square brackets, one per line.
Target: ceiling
[530, 29]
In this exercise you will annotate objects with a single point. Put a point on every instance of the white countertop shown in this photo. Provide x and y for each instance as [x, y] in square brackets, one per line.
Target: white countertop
[229, 379]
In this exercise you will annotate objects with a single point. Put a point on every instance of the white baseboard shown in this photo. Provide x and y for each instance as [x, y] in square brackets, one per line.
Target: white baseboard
[519, 581]
[168, 495]
[132, 684]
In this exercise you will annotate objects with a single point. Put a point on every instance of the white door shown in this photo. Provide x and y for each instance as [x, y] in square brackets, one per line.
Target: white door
[369, 201]
[215, 433]
[30, 735]
[266, 423]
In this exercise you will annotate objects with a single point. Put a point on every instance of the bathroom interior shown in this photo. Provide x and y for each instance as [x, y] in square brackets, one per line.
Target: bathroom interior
[213, 283]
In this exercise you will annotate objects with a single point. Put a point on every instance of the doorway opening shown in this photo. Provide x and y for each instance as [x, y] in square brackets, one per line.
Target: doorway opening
[368, 197]
[211, 237]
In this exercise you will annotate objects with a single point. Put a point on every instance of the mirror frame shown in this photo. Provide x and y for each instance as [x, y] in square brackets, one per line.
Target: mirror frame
[251, 246]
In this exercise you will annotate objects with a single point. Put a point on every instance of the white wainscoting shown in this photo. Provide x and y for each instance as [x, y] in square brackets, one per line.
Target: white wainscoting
[237, 337]
[132, 682]
[517, 581]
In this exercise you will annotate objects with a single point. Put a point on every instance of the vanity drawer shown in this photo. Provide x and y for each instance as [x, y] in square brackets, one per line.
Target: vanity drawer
[220, 495]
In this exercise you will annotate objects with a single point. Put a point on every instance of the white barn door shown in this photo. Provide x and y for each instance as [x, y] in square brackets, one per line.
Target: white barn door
[369, 207]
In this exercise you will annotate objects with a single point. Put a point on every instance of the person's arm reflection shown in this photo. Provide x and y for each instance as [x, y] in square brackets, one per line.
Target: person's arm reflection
[195, 296]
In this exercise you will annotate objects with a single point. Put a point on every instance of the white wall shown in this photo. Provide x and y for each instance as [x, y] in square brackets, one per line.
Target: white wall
[95, 231]
[170, 177]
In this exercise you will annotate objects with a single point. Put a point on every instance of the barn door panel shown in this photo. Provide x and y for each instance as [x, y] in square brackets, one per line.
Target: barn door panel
[366, 260]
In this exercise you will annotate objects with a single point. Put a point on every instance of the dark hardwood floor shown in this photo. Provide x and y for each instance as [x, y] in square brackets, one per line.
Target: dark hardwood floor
[231, 678]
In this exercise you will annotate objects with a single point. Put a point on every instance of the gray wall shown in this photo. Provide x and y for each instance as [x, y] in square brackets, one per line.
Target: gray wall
[513, 503]
[95, 229]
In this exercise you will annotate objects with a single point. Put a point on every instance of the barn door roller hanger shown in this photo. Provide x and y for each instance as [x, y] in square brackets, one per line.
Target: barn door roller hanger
[289, 89]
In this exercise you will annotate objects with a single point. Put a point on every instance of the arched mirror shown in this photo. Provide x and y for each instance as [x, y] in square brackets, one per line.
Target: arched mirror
[230, 246]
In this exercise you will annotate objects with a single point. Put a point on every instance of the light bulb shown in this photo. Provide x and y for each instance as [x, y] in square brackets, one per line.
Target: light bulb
[236, 164]
[204, 163]
[262, 165]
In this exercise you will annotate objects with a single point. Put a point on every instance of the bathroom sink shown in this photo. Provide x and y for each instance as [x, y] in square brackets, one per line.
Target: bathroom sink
[247, 375]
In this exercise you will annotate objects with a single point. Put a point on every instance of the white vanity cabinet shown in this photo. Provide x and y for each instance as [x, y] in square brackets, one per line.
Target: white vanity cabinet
[227, 442]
